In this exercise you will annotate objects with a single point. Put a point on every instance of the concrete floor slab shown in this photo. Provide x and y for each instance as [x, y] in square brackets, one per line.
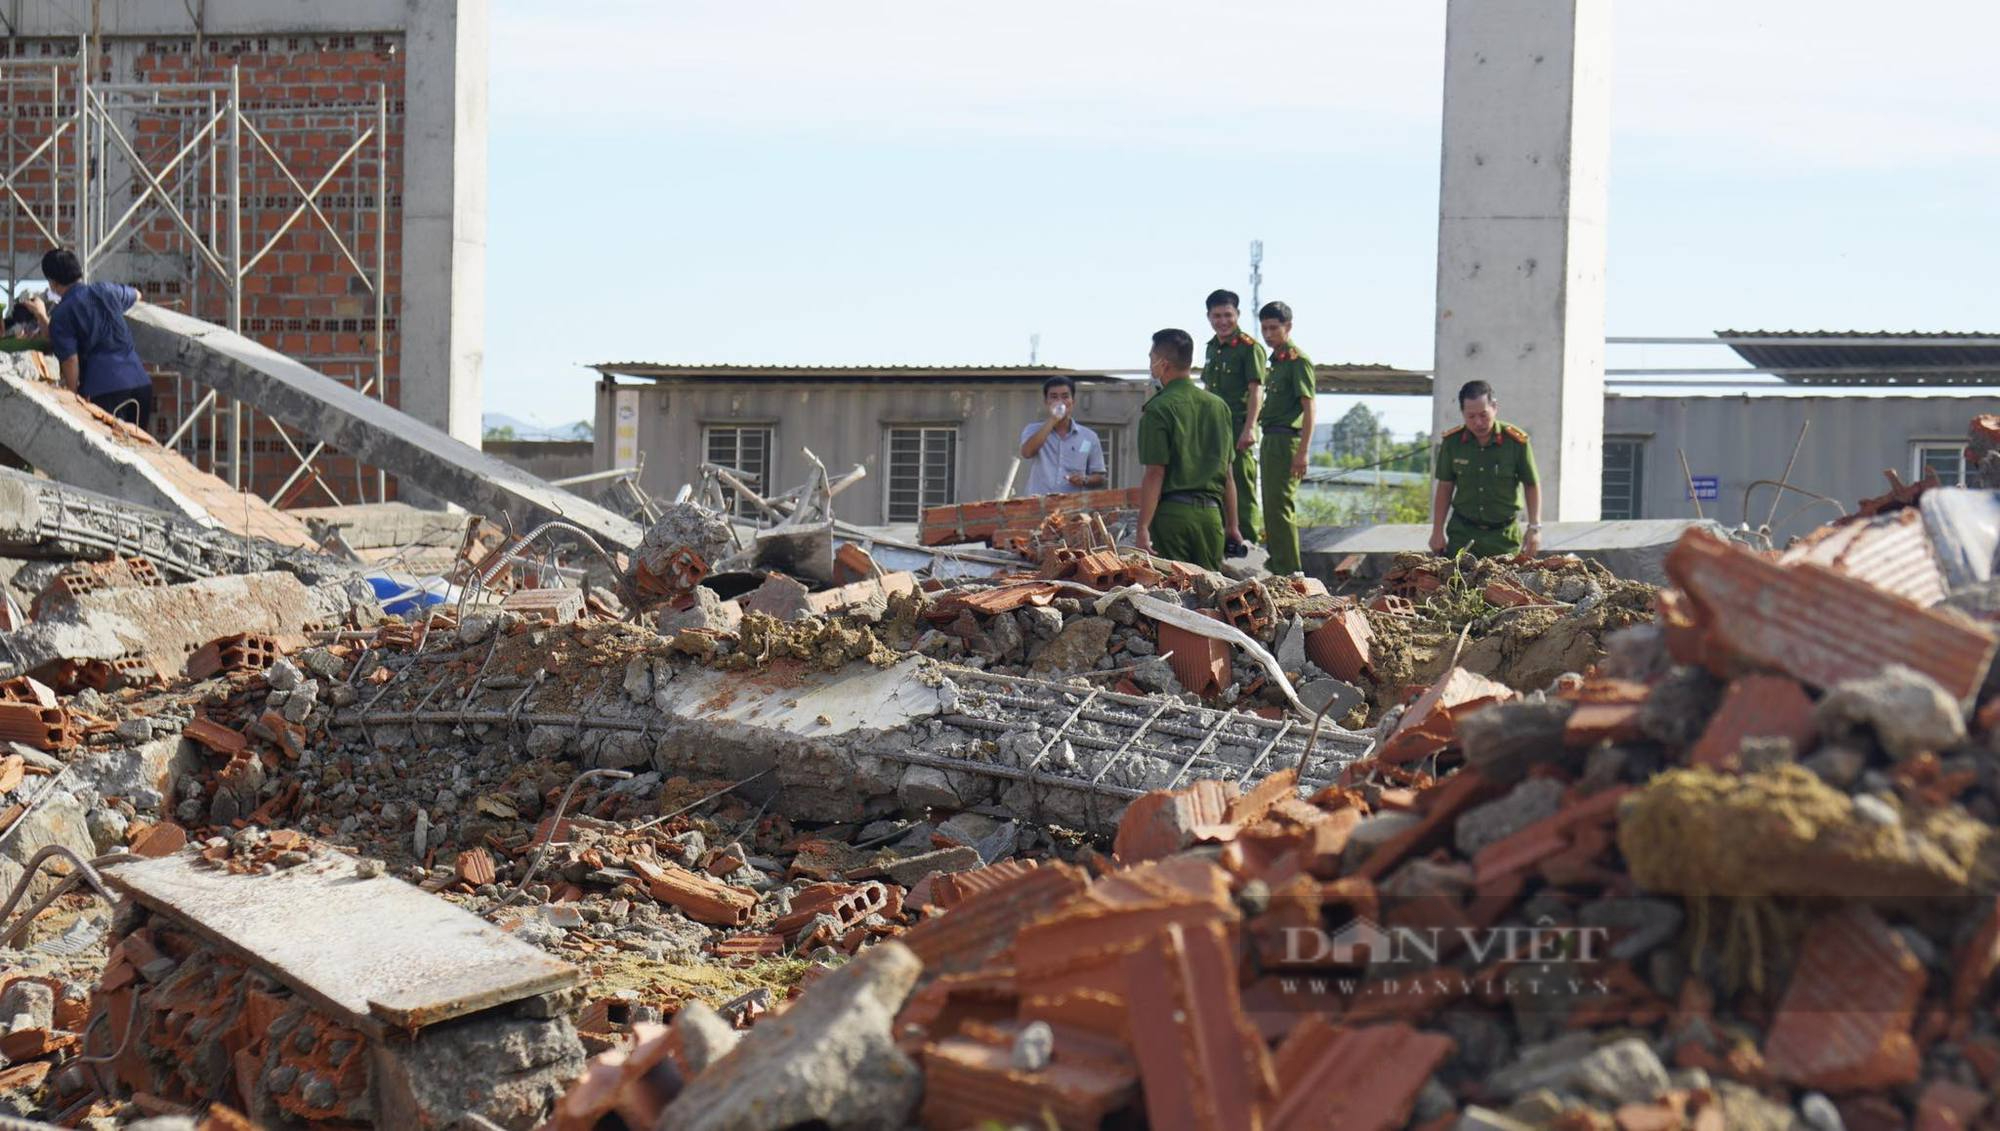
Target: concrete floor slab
[1634, 549]
[361, 426]
[377, 951]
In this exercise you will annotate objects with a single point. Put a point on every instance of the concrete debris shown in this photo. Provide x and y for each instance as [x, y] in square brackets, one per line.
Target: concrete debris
[930, 851]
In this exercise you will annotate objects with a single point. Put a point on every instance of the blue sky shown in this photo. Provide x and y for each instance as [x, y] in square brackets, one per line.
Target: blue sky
[915, 182]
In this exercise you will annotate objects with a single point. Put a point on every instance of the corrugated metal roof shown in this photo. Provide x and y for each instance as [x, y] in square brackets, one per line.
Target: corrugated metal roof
[1823, 357]
[659, 371]
[1347, 377]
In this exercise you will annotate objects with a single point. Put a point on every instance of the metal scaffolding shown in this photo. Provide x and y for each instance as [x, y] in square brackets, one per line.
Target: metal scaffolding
[162, 178]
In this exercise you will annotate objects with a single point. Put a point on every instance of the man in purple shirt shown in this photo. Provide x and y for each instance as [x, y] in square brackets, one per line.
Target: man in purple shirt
[89, 337]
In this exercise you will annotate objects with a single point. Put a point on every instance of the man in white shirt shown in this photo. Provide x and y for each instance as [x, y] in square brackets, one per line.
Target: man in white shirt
[1067, 456]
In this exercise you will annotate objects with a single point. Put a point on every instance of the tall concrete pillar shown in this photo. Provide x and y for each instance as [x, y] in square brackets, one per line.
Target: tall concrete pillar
[443, 311]
[1520, 298]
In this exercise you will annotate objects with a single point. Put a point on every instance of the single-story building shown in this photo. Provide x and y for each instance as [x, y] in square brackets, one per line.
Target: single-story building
[927, 435]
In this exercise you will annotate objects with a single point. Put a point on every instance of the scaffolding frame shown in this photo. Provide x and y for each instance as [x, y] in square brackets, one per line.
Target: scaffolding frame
[217, 134]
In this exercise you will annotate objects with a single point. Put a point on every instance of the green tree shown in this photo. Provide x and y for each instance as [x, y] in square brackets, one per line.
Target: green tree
[1358, 435]
[504, 432]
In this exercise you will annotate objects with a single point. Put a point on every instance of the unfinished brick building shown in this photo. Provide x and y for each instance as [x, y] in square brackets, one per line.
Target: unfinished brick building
[247, 164]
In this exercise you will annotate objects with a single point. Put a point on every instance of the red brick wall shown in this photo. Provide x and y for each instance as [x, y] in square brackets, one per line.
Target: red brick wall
[310, 96]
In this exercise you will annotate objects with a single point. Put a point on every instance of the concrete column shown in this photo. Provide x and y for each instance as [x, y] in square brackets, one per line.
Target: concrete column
[443, 307]
[1520, 299]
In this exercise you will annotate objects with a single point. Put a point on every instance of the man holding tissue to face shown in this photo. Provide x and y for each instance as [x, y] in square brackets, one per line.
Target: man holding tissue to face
[1067, 456]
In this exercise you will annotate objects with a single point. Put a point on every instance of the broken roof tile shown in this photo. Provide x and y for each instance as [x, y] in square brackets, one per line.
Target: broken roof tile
[1201, 1063]
[1800, 619]
[1891, 552]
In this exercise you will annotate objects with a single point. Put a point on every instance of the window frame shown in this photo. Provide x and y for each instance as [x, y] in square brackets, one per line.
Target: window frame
[1108, 436]
[743, 508]
[953, 430]
[1920, 446]
[1637, 492]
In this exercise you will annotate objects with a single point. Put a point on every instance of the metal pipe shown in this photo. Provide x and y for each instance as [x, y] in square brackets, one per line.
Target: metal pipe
[83, 152]
[381, 264]
[236, 260]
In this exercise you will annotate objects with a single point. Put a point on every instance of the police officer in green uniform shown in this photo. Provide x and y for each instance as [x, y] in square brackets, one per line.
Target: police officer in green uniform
[1286, 420]
[1485, 470]
[1234, 371]
[1187, 499]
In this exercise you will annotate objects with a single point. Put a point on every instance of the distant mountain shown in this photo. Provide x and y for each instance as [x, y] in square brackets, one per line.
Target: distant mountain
[500, 426]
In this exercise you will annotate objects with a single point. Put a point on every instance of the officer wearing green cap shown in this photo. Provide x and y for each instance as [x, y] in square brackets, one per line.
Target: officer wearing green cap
[1234, 370]
[1286, 421]
[1187, 499]
[1485, 471]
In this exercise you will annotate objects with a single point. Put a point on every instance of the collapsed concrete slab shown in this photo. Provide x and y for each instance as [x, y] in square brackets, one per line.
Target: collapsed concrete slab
[1635, 550]
[67, 437]
[856, 742]
[360, 426]
[165, 625]
[40, 518]
[324, 992]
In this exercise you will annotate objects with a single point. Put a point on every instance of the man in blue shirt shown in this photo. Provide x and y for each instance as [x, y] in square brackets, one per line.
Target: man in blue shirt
[1068, 456]
[89, 337]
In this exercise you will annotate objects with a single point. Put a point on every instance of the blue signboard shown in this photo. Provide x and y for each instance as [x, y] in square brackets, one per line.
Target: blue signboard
[1705, 487]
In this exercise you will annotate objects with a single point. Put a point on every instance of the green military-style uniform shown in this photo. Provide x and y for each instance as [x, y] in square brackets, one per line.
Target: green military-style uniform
[1187, 431]
[1231, 368]
[1287, 391]
[1486, 498]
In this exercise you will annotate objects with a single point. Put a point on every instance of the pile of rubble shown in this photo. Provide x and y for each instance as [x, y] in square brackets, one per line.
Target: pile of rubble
[784, 836]
[1743, 873]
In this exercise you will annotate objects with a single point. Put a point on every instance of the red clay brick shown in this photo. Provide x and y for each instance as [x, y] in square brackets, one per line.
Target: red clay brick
[1342, 646]
[1203, 1065]
[1892, 553]
[1364, 1079]
[1844, 1022]
[1751, 613]
[983, 927]
[1945, 1106]
[1163, 822]
[1203, 664]
[968, 1083]
[1430, 724]
[1756, 706]
[1973, 970]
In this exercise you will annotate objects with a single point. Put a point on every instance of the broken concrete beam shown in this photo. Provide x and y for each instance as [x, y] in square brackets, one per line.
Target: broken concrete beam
[363, 1001]
[73, 441]
[361, 426]
[167, 625]
[830, 1060]
[40, 518]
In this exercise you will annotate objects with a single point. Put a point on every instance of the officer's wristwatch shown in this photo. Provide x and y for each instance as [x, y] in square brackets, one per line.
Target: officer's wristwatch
[1533, 528]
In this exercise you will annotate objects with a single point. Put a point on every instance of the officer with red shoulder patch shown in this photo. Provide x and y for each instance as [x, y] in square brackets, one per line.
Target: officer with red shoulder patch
[1485, 473]
[1234, 370]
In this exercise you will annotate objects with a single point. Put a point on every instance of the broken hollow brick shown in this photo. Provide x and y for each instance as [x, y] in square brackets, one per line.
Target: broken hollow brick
[1202, 1065]
[1844, 1022]
[699, 897]
[1737, 611]
[1756, 706]
[1341, 646]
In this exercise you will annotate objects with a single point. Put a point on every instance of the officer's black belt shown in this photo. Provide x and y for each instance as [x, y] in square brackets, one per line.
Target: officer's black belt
[1478, 525]
[1279, 430]
[1191, 498]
